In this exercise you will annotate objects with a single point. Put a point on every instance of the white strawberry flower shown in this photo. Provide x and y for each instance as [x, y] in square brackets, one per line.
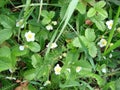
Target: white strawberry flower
[102, 43]
[57, 69]
[49, 27]
[109, 24]
[52, 45]
[30, 36]
[78, 69]
[20, 23]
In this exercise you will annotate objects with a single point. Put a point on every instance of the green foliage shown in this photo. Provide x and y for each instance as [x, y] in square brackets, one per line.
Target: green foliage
[5, 63]
[33, 46]
[36, 60]
[5, 35]
[92, 49]
[81, 7]
[88, 41]
[90, 34]
[17, 52]
[91, 12]
[30, 74]
[3, 3]
[117, 2]
[69, 47]
[47, 16]
[96, 13]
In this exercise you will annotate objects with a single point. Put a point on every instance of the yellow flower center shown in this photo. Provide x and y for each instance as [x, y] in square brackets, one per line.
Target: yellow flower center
[104, 43]
[58, 69]
[111, 24]
[29, 35]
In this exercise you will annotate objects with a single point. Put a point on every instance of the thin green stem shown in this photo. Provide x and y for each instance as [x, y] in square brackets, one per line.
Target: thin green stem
[38, 4]
[40, 9]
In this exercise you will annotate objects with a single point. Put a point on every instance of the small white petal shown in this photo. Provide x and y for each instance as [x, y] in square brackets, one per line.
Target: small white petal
[60, 57]
[111, 44]
[78, 69]
[47, 83]
[49, 27]
[54, 22]
[21, 48]
[104, 57]
[52, 46]
[104, 70]
[110, 56]
[64, 54]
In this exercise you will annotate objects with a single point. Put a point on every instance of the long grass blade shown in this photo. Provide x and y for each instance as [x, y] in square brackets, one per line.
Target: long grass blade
[113, 29]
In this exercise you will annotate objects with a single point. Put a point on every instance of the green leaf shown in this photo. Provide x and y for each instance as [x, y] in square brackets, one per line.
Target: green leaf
[34, 28]
[100, 25]
[33, 46]
[70, 84]
[100, 4]
[86, 67]
[81, 7]
[44, 13]
[116, 2]
[90, 34]
[72, 56]
[30, 74]
[117, 84]
[5, 35]
[91, 12]
[5, 63]
[31, 87]
[17, 52]
[3, 2]
[46, 21]
[47, 16]
[111, 86]
[5, 52]
[51, 14]
[6, 21]
[62, 11]
[103, 13]
[92, 49]
[77, 43]
[36, 60]
[100, 81]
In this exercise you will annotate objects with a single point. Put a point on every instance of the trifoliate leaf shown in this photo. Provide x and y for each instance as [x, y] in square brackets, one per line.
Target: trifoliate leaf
[33, 46]
[91, 12]
[90, 34]
[92, 49]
